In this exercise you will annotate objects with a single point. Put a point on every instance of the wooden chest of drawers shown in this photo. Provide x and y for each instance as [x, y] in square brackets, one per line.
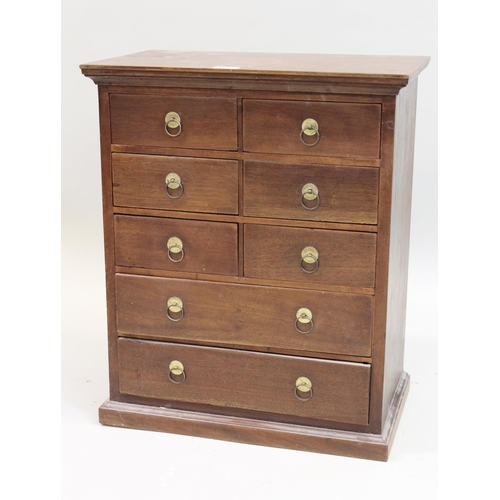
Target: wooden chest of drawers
[256, 217]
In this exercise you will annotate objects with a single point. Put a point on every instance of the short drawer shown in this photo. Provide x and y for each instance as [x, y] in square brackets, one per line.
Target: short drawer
[311, 192]
[185, 184]
[346, 130]
[199, 123]
[313, 256]
[239, 379]
[195, 246]
[244, 315]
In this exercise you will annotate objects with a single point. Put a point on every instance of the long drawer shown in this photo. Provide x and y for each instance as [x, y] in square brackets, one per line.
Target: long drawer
[312, 256]
[176, 244]
[244, 315]
[326, 390]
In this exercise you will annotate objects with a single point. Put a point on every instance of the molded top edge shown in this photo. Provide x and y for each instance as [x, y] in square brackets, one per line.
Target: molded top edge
[363, 68]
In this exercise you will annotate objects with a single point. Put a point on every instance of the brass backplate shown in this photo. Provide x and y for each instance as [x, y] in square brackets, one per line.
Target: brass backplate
[176, 367]
[310, 126]
[309, 191]
[172, 180]
[303, 384]
[310, 255]
[174, 304]
[304, 315]
[172, 119]
[174, 244]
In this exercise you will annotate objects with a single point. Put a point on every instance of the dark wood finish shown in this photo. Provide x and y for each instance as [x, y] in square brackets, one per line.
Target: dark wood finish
[241, 278]
[207, 122]
[262, 432]
[347, 130]
[240, 379]
[208, 185]
[244, 315]
[347, 194]
[224, 278]
[389, 70]
[244, 220]
[209, 247]
[345, 258]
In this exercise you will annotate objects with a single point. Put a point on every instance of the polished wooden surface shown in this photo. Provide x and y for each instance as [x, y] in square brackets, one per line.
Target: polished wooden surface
[261, 432]
[206, 122]
[233, 378]
[208, 246]
[243, 237]
[394, 69]
[261, 317]
[208, 185]
[345, 258]
[346, 194]
[346, 129]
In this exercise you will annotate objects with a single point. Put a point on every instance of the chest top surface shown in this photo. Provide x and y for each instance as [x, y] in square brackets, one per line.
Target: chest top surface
[368, 68]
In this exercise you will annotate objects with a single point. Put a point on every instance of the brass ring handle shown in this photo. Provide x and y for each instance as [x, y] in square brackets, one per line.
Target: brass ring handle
[309, 255]
[176, 369]
[175, 306]
[310, 192]
[174, 247]
[303, 389]
[173, 182]
[173, 121]
[303, 317]
[310, 127]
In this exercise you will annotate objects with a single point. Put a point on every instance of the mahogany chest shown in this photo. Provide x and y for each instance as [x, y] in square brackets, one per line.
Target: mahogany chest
[256, 218]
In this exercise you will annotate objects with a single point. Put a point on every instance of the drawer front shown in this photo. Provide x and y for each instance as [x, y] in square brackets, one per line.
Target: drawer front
[343, 194]
[244, 315]
[239, 379]
[201, 185]
[205, 122]
[347, 130]
[207, 247]
[343, 257]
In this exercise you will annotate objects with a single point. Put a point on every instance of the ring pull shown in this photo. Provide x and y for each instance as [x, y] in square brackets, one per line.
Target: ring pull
[175, 309]
[310, 193]
[174, 248]
[173, 121]
[304, 317]
[310, 127]
[303, 389]
[310, 257]
[173, 183]
[176, 372]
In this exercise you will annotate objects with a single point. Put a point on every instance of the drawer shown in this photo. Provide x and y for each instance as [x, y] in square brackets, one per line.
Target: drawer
[343, 257]
[199, 185]
[239, 379]
[205, 247]
[347, 130]
[339, 193]
[205, 122]
[244, 315]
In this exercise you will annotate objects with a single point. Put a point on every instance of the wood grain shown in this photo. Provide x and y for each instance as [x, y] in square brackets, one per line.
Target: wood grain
[208, 185]
[345, 258]
[210, 247]
[207, 122]
[346, 194]
[261, 432]
[348, 130]
[244, 315]
[240, 379]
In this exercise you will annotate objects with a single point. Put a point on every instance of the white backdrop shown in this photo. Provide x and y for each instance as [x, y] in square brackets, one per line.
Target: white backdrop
[108, 463]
